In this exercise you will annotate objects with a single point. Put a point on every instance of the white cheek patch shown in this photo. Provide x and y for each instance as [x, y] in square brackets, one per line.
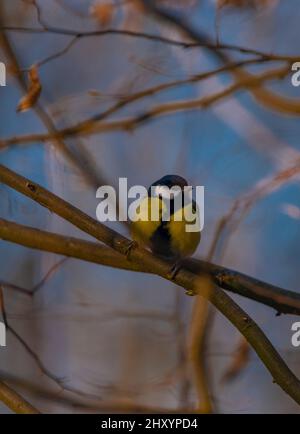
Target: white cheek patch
[165, 192]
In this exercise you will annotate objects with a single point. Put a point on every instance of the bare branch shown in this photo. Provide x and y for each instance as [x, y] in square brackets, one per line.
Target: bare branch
[282, 300]
[280, 372]
[88, 173]
[92, 126]
[7, 395]
[14, 401]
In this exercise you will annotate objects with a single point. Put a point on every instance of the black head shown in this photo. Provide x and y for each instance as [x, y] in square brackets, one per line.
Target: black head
[169, 181]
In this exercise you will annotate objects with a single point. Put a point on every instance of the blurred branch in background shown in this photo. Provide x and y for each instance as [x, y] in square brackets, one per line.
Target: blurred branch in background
[7, 395]
[229, 224]
[85, 403]
[265, 97]
[197, 345]
[14, 401]
[79, 160]
[89, 127]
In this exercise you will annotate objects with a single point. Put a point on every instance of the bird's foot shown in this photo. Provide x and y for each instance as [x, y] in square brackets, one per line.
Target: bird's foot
[173, 273]
[174, 270]
[131, 245]
[190, 292]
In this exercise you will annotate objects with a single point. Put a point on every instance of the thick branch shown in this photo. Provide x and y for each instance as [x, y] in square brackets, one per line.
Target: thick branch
[14, 401]
[282, 300]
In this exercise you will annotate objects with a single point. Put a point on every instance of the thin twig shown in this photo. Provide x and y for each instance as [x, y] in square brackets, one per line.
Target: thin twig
[88, 173]
[267, 98]
[150, 37]
[14, 401]
[129, 124]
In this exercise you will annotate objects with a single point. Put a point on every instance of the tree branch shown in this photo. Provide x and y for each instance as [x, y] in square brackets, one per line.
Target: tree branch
[14, 401]
[280, 372]
[93, 126]
[76, 159]
[147, 36]
[282, 300]
[267, 98]
[7, 395]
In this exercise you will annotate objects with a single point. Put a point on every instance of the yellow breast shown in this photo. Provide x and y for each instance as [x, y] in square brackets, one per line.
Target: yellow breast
[143, 229]
[182, 241]
[171, 236]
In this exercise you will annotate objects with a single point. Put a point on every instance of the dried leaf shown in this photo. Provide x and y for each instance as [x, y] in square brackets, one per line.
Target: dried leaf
[103, 12]
[33, 93]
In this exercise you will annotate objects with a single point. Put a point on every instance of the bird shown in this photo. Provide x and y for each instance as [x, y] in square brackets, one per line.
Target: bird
[167, 239]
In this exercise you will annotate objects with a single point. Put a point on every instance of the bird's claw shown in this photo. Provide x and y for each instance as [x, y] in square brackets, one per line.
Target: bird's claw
[131, 245]
[174, 270]
[190, 292]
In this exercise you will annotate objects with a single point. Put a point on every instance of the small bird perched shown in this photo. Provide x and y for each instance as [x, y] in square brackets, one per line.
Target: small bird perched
[168, 239]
